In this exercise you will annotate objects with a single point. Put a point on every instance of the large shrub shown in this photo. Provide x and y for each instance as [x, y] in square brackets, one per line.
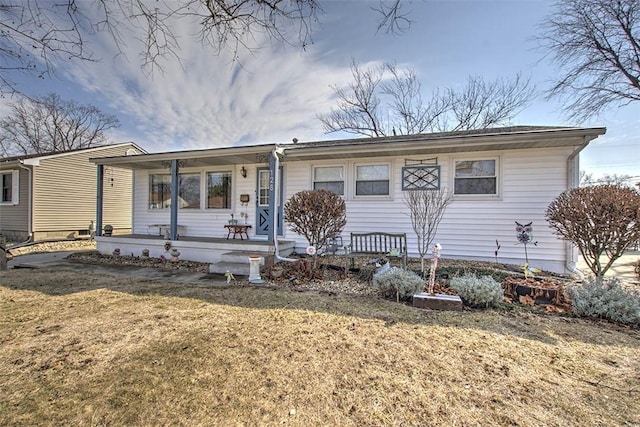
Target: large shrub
[606, 299]
[599, 220]
[398, 284]
[316, 215]
[477, 291]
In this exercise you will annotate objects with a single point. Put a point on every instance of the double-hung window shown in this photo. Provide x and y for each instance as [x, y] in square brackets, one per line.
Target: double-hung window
[372, 180]
[219, 190]
[188, 191]
[329, 178]
[478, 177]
[9, 187]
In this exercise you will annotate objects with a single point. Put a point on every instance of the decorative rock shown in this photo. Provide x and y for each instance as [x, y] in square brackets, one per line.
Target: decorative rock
[437, 301]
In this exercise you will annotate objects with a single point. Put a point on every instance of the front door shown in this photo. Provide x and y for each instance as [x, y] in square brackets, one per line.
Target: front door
[263, 226]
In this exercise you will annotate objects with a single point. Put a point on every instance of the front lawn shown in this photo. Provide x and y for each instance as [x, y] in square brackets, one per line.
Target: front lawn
[81, 349]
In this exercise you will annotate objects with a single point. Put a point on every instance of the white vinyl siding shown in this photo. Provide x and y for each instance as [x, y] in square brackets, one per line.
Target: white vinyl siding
[528, 180]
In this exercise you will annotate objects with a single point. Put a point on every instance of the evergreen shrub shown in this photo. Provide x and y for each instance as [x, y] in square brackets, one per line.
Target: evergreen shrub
[397, 283]
[606, 299]
[477, 291]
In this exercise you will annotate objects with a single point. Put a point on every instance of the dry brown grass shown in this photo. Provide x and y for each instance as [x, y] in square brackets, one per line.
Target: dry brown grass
[78, 349]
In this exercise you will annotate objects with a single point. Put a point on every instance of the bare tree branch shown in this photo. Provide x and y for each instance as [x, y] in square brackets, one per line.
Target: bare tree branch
[35, 33]
[50, 124]
[385, 100]
[393, 20]
[595, 46]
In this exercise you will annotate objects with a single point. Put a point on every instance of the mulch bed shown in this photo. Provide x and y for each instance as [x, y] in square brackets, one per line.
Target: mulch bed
[329, 275]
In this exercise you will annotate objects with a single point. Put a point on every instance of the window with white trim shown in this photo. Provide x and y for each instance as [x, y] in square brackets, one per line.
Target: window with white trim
[372, 180]
[9, 187]
[188, 191]
[219, 190]
[329, 178]
[479, 177]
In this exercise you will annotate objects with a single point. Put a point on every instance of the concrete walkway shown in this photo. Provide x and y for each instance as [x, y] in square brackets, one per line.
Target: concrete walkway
[58, 260]
[623, 268]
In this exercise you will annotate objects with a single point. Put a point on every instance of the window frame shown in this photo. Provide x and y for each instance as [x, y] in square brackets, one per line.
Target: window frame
[372, 196]
[206, 192]
[185, 209]
[327, 166]
[15, 187]
[497, 176]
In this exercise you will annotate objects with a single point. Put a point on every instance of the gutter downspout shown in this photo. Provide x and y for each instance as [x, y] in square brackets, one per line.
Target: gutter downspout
[276, 184]
[573, 171]
[30, 206]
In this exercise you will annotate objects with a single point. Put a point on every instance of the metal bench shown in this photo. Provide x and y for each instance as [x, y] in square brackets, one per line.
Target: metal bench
[391, 245]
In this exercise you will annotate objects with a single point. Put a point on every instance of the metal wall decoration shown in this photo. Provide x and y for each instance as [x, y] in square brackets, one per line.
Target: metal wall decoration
[421, 175]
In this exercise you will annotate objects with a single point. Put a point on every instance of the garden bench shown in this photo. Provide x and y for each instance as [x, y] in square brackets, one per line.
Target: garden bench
[391, 245]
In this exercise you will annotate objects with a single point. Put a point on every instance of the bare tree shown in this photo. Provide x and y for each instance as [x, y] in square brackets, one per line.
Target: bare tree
[595, 46]
[384, 100]
[50, 124]
[615, 179]
[426, 209]
[35, 33]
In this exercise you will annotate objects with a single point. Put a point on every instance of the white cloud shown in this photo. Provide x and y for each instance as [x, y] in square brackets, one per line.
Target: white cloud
[207, 100]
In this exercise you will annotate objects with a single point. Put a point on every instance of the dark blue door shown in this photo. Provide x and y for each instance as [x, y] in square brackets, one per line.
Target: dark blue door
[263, 226]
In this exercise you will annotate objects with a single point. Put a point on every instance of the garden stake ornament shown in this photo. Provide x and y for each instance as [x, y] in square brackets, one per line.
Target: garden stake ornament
[432, 277]
[525, 236]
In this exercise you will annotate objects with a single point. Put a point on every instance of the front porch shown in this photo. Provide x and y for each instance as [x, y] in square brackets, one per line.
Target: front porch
[210, 250]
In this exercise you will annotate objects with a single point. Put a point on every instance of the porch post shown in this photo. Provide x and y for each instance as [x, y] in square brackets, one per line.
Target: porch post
[99, 195]
[273, 231]
[174, 199]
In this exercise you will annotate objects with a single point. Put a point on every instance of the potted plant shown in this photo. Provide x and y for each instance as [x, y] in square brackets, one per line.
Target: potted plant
[232, 221]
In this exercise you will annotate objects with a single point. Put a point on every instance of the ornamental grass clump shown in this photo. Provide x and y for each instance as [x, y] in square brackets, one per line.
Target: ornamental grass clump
[606, 299]
[398, 284]
[477, 291]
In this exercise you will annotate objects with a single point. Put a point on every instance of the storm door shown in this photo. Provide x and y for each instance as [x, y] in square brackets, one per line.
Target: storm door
[265, 186]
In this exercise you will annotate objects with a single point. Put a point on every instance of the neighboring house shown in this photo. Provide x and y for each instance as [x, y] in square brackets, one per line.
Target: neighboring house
[498, 176]
[51, 196]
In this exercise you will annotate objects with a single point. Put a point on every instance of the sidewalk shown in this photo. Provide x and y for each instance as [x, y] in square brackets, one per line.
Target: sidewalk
[58, 260]
[623, 268]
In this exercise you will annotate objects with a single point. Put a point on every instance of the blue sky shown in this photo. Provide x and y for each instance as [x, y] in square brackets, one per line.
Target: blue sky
[275, 94]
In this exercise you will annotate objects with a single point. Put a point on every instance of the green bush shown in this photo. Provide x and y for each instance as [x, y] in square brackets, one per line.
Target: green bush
[398, 284]
[478, 291]
[606, 299]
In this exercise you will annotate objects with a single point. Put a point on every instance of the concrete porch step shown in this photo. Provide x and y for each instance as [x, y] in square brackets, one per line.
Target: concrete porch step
[237, 262]
[243, 257]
